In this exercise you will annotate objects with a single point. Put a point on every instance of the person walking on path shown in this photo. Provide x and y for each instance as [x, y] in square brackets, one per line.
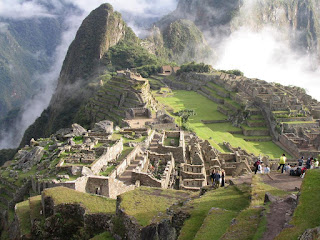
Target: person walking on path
[283, 160]
[300, 161]
[256, 165]
[213, 177]
[222, 178]
[217, 181]
[309, 162]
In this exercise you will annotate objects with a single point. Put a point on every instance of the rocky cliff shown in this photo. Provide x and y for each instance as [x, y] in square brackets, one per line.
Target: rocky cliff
[180, 41]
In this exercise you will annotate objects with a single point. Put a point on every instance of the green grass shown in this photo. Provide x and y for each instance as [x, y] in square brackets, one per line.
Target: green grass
[93, 203]
[103, 236]
[307, 212]
[231, 199]
[35, 207]
[125, 153]
[23, 214]
[215, 86]
[78, 140]
[167, 141]
[259, 190]
[145, 204]
[108, 171]
[219, 132]
[215, 224]
[247, 223]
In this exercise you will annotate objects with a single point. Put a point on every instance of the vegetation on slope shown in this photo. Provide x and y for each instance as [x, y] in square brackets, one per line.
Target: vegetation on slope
[93, 203]
[306, 214]
[148, 205]
[224, 204]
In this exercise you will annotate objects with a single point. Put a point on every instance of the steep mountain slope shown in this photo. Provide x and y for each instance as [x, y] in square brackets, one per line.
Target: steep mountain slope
[180, 41]
[298, 19]
[26, 49]
[101, 30]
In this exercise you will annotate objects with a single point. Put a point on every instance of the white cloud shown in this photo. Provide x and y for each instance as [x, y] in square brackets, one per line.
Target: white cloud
[19, 9]
[266, 55]
[3, 27]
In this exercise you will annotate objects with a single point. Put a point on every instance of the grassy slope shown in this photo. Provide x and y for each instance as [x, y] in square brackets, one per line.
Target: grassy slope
[94, 204]
[103, 236]
[250, 223]
[215, 133]
[23, 214]
[145, 203]
[306, 214]
[199, 225]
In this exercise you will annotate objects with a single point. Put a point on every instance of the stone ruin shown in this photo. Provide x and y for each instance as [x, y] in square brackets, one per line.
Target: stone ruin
[291, 116]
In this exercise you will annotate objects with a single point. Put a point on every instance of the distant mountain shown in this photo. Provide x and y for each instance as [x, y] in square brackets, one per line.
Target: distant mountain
[298, 19]
[26, 50]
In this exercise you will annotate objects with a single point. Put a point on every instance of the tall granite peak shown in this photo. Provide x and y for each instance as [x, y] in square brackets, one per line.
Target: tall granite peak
[102, 29]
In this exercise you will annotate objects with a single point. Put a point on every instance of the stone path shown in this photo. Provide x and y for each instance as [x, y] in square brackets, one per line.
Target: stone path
[281, 210]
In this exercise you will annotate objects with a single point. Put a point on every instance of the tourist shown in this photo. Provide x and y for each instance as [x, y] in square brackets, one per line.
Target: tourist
[256, 165]
[309, 162]
[300, 162]
[223, 178]
[287, 168]
[217, 179]
[260, 168]
[213, 176]
[316, 163]
[282, 162]
[266, 170]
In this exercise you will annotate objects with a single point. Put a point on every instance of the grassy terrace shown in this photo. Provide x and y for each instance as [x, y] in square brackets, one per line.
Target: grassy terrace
[145, 204]
[215, 133]
[103, 236]
[94, 204]
[306, 214]
[250, 223]
[167, 141]
[211, 214]
[23, 214]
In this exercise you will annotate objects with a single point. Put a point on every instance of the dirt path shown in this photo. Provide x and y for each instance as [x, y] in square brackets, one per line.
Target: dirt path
[283, 181]
[280, 214]
[281, 210]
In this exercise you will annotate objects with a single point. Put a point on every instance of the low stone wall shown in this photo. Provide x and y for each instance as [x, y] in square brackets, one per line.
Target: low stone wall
[214, 121]
[255, 132]
[227, 157]
[212, 98]
[146, 179]
[110, 154]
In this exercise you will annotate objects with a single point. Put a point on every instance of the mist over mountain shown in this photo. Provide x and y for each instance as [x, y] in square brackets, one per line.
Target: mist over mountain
[40, 48]
[272, 40]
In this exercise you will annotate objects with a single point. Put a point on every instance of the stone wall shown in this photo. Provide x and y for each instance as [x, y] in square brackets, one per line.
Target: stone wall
[146, 180]
[97, 185]
[110, 154]
[116, 187]
[126, 162]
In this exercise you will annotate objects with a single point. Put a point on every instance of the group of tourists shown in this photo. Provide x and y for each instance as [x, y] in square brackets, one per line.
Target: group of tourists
[217, 178]
[261, 168]
[298, 169]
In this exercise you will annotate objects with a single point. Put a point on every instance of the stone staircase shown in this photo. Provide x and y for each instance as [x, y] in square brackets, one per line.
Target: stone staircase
[126, 176]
